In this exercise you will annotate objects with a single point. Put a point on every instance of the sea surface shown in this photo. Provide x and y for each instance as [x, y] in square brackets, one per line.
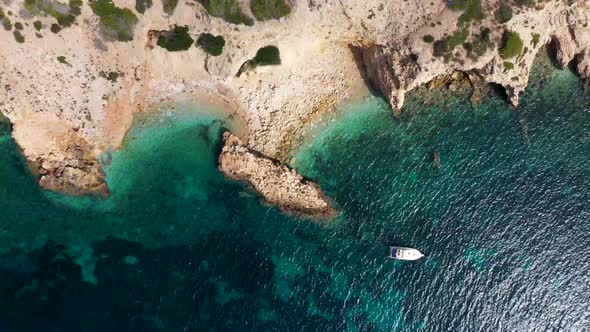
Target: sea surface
[503, 219]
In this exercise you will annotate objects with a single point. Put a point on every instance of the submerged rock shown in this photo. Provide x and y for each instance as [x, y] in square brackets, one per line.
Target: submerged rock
[278, 184]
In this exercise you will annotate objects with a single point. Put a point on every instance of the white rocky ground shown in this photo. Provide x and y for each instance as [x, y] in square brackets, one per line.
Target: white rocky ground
[65, 115]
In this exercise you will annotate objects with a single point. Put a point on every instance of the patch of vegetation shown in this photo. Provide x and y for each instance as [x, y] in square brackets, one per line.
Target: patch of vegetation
[55, 28]
[169, 6]
[115, 23]
[504, 13]
[477, 45]
[269, 9]
[525, 3]
[5, 21]
[176, 39]
[482, 42]
[508, 65]
[18, 26]
[211, 44]
[511, 45]
[76, 7]
[471, 10]
[429, 39]
[268, 55]
[18, 36]
[228, 10]
[536, 38]
[7, 24]
[38, 25]
[446, 45]
[110, 76]
[64, 14]
[62, 59]
[142, 5]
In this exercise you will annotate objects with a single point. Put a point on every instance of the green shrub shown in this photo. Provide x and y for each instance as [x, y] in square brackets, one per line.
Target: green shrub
[76, 7]
[62, 59]
[6, 23]
[511, 45]
[525, 3]
[142, 5]
[536, 38]
[446, 45]
[268, 55]
[508, 65]
[169, 6]
[440, 47]
[211, 44]
[269, 9]
[38, 25]
[504, 13]
[457, 4]
[429, 39]
[482, 42]
[110, 76]
[18, 26]
[55, 28]
[176, 39]
[471, 10]
[228, 10]
[115, 23]
[18, 36]
[55, 10]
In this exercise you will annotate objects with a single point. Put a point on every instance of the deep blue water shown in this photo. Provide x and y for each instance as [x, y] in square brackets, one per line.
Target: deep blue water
[503, 221]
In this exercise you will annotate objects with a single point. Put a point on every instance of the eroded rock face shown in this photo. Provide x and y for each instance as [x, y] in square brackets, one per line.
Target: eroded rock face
[278, 184]
[396, 67]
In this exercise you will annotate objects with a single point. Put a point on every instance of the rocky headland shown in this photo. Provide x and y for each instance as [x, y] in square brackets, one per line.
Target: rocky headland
[278, 184]
[72, 75]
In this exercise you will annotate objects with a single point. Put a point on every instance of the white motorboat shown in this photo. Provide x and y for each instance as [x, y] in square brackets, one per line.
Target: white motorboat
[404, 254]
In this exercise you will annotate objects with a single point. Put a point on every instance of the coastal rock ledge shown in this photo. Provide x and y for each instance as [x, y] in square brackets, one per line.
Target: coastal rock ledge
[278, 184]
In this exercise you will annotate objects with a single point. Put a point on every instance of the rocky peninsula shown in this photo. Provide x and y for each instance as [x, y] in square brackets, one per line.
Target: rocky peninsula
[278, 184]
[72, 75]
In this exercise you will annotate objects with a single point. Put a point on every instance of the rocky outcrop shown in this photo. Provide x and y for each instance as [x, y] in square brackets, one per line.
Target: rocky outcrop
[278, 184]
[400, 66]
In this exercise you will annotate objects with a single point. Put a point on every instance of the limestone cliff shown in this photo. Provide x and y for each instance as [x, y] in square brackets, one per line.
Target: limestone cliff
[70, 83]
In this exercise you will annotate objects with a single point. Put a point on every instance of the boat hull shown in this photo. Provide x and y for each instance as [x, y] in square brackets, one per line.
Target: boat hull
[404, 254]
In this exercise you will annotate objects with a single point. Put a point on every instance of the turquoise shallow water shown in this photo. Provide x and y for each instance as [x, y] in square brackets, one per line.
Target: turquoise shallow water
[503, 221]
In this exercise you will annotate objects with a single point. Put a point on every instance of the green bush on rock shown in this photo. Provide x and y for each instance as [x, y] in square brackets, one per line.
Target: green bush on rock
[228, 10]
[142, 5]
[211, 44]
[269, 9]
[268, 55]
[38, 25]
[511, 45]
[115, 23]
[504, 13]
[64, 14]
[169, 6]
[471, 10]
[429, 39]
[18, 36]
[176, 39]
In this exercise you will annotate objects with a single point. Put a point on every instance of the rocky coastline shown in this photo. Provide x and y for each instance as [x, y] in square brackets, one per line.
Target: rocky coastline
[71, 88]
[278, 184]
